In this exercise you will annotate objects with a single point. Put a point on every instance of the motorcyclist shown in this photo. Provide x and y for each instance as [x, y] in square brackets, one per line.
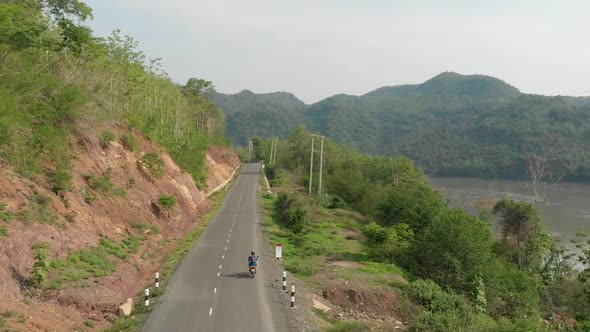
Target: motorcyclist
[252, 259]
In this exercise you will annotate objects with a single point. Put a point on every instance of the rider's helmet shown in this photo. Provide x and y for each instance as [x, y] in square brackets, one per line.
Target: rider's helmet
[252, 253]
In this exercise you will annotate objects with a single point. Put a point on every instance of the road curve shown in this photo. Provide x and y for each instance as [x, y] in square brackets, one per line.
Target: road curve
[211, 290]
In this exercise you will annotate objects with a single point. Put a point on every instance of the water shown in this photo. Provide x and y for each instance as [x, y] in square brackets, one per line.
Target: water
[565, 207]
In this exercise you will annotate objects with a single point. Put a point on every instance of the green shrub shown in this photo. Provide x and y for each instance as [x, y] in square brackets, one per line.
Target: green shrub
[130, 142]
[41, 265]
[106, 138]
[103, 183]
[298, 218]
[154, 164]
[89, 324]
[39, 211]
[89, 196]
[4, 214]
[3, 231]
[375, 234]
[61, 181]
[291, 211]
[167, 201]
[445, 311]
[337, 202]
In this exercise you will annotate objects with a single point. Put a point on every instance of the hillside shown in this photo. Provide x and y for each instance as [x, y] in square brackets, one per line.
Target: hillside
[452, 124]
[250, 114]
[106, 166]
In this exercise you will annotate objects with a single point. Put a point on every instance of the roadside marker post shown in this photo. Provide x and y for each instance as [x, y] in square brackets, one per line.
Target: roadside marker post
[279, 251]
[157, 280]
[293, 296]
[147, 297]
[284, 281]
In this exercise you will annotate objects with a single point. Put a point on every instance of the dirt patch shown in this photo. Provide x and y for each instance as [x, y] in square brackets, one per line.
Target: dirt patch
[346, 264]
[374, 305]
[84, 215]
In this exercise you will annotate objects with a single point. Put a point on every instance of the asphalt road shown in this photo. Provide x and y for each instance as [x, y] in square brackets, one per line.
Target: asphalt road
[212, 289]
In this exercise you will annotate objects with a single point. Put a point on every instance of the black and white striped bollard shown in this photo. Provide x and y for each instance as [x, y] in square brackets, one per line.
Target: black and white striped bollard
[157, 280]
[293, 296]
[284, 281]
[147, 297]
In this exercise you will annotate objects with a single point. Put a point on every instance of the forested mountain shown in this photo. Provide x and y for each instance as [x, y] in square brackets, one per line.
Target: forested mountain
[252, 114]
[452, 124]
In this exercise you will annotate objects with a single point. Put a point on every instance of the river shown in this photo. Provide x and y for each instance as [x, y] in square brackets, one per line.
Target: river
[565, 208]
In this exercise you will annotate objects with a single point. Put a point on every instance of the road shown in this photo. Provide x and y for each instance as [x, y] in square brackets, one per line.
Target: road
[212, 290]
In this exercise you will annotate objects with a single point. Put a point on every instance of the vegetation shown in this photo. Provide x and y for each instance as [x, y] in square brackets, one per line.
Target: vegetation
[450, 271]
[89, 323]
[39, 210]
[130, 142]
[5, 215]
[154, 164]
[54, 72]
[41, 265]
[106, 138]
[104, 184]
[93, 262]
[153, 229]
[167, 201]
[450, 125]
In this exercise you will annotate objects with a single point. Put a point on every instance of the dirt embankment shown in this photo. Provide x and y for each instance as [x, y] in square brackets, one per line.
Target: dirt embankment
[112, 198]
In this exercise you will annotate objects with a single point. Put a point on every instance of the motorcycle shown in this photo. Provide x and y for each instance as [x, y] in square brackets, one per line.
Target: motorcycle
[252, 271]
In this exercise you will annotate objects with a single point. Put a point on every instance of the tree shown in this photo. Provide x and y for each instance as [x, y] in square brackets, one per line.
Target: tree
[198, 88]
[536, 171]
[68, 14]
[298, 144]
[453, 250]
[582, 243]
[518, 220]
[417, 206]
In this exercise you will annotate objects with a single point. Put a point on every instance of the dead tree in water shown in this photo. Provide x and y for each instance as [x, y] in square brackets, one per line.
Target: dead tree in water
[536, 172]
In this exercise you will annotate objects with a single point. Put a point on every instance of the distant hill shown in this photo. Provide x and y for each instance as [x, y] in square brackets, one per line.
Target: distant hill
[250, 114]
[452, 124]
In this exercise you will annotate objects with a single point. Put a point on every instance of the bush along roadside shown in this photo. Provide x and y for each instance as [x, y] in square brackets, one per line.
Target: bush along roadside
[140, 313]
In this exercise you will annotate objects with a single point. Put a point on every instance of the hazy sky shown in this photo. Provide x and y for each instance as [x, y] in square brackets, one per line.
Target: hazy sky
[317, 48]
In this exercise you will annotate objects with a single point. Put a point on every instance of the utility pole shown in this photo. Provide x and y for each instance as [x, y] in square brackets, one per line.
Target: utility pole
[272, 144]
[274, 156]
[250, 150]
[311, 165]
[321, 163]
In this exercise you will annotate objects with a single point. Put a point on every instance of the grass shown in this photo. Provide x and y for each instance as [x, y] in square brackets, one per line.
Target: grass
[154, 164]
[130, 142]
[3, 231]
[89, 324]
[89, 196]
[167, 201]
[5, 215]
[93, 262]
[322, 240]
[143, 227]
[102, 183]
[106, 138]
[140, 312]
[349, 327]
[39, 210]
